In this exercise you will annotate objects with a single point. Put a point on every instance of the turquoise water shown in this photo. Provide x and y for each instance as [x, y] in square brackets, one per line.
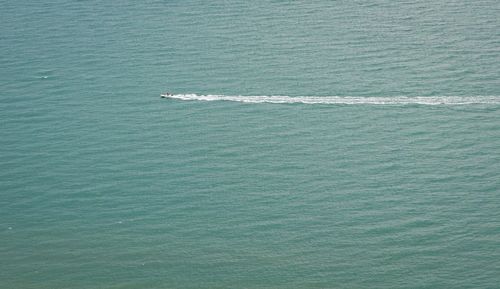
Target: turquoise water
[321, 144]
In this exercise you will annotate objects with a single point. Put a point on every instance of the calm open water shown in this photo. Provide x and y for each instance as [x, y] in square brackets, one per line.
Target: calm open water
[308, 144]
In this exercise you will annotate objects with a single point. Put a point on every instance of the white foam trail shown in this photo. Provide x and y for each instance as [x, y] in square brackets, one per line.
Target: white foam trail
[370, 100]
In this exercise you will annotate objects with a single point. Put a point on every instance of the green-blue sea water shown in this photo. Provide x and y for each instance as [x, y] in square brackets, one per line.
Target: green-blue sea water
[103, 184]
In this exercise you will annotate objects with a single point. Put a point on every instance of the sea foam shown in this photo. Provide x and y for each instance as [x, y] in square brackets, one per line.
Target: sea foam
[368, 100]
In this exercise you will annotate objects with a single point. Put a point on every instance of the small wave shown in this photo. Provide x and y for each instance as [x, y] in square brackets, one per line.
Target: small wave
[369, 100]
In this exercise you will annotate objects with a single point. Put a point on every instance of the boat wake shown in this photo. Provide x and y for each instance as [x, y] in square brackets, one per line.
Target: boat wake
[368, 100]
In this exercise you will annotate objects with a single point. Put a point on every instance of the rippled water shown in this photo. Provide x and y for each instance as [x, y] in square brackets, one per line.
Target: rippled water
[326, 144]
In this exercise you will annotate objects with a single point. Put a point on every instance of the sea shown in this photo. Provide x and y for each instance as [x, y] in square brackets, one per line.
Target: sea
[302, 144]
